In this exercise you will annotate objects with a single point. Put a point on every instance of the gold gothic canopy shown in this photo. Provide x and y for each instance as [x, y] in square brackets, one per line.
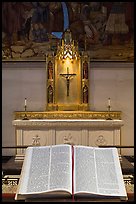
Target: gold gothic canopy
[67, 77]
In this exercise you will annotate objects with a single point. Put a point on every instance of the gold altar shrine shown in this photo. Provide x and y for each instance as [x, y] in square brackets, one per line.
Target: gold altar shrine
[67, 117]
[67, 77]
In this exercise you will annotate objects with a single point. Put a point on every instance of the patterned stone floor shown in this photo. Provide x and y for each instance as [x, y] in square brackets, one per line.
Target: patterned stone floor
[10, 183]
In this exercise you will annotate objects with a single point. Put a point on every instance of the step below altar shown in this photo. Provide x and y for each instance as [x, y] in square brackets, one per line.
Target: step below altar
[67, 127]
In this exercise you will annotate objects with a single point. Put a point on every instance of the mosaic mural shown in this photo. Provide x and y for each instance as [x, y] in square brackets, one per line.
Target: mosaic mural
[104, 29]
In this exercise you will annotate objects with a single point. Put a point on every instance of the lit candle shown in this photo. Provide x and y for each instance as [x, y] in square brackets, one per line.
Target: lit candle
[109, 102]
[25, 101]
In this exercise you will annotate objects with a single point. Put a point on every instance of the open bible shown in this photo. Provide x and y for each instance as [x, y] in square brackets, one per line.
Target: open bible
[66, 170]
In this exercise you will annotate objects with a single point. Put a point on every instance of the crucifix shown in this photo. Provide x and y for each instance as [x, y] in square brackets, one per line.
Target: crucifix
[67, 76]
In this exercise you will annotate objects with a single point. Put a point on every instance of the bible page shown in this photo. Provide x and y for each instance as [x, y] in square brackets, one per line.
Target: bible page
[109, 174]
[35, 171]
[60, 175]
[97, 171]
[24, 174]
[84, 170]
[46, 169]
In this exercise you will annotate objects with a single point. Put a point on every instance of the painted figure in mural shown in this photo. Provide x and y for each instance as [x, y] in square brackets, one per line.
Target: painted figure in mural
[85, 94]
[24, 33]
[90, 30]
[13, 18]
[40, 18]
[82, 26]
[74, 11]
[116, 25]
[75, 23]
[56, 21]
[50, 94]
[129, 16]
[85, 70]
[12, 23]
[50, 70]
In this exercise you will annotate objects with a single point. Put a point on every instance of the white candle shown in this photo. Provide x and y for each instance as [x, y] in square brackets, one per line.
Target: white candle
[25, 101]
[109, 102]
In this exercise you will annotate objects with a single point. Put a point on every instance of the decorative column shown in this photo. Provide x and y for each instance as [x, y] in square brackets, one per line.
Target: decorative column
[50, 80]
[85, 81]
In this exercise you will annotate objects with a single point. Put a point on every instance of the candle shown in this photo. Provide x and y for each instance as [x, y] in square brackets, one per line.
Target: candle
[109, 102]
[25, 101]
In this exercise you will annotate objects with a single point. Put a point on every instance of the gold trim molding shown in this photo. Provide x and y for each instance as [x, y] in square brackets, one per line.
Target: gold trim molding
[68, 115]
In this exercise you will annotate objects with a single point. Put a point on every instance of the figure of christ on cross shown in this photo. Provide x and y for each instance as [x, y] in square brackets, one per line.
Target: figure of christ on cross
[67, 76]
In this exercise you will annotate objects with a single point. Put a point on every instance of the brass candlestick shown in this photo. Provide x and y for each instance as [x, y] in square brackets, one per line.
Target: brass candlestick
[25, 117]
[109, 115]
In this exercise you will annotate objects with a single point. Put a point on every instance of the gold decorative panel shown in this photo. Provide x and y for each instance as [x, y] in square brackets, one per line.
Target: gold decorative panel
[69, 115]
[67, 77]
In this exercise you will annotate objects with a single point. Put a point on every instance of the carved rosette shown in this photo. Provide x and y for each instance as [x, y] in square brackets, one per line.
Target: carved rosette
[100, 140]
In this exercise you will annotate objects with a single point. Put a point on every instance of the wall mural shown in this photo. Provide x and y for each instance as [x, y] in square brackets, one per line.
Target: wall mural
[105, 29]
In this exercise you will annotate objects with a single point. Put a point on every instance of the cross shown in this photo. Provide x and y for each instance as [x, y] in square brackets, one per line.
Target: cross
[67, 76]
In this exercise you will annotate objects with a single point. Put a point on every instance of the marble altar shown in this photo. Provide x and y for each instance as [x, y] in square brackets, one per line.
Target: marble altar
[90, 132]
